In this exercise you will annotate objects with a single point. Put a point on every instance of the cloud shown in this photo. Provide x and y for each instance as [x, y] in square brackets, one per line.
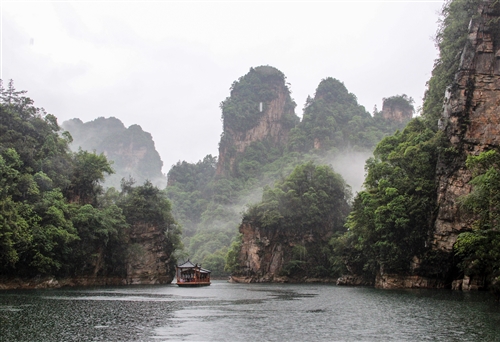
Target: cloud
[167, 65]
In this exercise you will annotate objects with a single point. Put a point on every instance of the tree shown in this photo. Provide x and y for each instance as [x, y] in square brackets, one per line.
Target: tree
[390, 220]
[89, 170]
[479, 248]
[146, 204]
[312, 200]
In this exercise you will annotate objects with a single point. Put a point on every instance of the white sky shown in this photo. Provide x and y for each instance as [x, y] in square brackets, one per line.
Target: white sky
[167, 65]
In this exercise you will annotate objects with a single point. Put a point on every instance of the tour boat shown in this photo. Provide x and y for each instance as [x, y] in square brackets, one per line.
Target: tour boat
[189, 274]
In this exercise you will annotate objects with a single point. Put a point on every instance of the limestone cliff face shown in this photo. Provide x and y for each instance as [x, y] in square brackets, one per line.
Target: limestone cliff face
[265, 252]
[396, 112]
[131, 149]
[259, 108]
[470, 120]
[150, 260]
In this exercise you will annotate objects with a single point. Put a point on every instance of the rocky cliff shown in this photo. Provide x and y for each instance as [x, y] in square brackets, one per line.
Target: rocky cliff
[286, 236]
[397, 109]
[150, 261]
[470, 120]
[267, 255]
[131, 149]
[259, 108]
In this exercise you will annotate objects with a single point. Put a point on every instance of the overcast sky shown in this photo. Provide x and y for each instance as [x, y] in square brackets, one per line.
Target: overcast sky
[167, 65]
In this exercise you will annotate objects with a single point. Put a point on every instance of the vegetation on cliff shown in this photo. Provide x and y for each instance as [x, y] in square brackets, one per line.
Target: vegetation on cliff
[242, 110]
[391, 224]
[208, 201]
[131, 150]
[300, 213]
[450, 39]
[479, 249]
[389, 221]
[334, 121]
[311, 197]
[55, 218]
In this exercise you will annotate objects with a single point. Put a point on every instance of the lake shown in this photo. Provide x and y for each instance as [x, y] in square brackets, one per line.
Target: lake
[247, 312]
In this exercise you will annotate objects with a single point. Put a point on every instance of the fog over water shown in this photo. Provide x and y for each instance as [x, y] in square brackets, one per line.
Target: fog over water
[166, 66]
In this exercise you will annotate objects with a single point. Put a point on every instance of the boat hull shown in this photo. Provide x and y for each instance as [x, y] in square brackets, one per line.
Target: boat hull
[193, 284]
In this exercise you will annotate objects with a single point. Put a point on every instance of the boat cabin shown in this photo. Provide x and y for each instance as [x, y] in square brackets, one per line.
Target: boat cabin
[189, 274]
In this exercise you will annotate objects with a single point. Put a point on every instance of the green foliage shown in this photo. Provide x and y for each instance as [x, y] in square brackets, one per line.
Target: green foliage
[335, 120]
[402, 102]
[232, 261]
[190, 190]
[146, 204]
[102, 246]
[390, 221]
[450, 39]
[311, 200]
[241, 110]
[88, 173]
[479, 249]
[484, 200]
[33, 134]
[54, 217]
[216, 262]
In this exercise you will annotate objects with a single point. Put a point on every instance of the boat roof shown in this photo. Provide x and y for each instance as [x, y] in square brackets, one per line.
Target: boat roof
[189, 264]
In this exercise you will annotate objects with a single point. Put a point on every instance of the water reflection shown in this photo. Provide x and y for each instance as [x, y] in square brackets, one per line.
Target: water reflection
[247, 312]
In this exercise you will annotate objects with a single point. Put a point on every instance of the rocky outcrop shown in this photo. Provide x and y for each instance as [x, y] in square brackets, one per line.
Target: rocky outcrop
[398, 281]
[131, 149]
[470, 120]
[468, 284]
[149, 260]
[397, 111]
[55, 283]
[353, 280]
[265, 253]
[259, 108]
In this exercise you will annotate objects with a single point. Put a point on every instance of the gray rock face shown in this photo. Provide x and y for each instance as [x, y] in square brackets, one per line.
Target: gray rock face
[470, 120]
[150, 261]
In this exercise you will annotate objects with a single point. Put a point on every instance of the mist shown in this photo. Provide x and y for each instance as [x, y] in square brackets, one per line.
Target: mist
[351, 166]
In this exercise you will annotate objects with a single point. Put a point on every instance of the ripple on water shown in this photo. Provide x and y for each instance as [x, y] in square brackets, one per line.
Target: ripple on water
[247, 312]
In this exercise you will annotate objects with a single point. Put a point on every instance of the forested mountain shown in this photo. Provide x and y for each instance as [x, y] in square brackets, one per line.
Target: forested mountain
[428, 215]
[286, 235]
[262, 142]
[56, 221]
[131, 150]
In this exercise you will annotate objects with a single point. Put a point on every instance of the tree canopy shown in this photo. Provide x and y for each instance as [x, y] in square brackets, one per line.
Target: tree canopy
[55, 217]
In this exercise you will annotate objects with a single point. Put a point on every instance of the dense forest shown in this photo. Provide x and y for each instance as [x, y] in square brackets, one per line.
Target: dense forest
[56, 219]
[208, 199]
[390, 227]
[277, 176]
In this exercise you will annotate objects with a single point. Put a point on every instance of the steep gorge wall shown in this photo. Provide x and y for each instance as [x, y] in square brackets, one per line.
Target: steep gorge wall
[264, 253]
[150, 261]
[470, 120]
[273, 114]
